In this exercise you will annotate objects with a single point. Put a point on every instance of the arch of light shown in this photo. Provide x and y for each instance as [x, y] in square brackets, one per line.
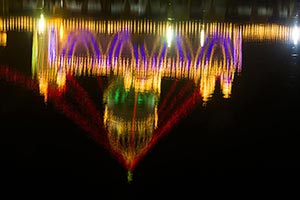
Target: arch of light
[116, 48]
[134, 116]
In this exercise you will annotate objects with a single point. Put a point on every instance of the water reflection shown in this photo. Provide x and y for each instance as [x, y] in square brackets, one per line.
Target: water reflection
[135, 57]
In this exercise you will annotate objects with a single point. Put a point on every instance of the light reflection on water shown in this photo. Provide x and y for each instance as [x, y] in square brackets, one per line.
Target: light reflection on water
[134, 56]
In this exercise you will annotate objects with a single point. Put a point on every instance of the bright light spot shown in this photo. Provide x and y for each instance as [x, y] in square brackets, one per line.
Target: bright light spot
[43, 87]
[41, 24]
[202, 35]
[61, 32]
[295, 35]
[61, 80]
[170, 36]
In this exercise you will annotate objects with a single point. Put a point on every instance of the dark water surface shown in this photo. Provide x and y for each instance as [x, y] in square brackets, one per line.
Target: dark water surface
[114, 108]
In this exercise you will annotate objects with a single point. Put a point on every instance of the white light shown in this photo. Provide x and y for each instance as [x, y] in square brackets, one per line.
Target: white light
[202, 35]
[41, 24]
[295, 35]
[170, 35]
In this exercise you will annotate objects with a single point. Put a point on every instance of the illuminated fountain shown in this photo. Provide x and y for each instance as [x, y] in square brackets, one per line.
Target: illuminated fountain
[134, 115]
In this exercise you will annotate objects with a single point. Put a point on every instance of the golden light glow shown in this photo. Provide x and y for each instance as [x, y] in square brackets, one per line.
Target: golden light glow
[61, 32]
[3, 39]
[43, 86]
[61, 80]
[263, 32]
[253, 31]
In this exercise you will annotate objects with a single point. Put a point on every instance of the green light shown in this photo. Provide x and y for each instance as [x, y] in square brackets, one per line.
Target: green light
[140, 99]
[123, 97]
[116, 98]
[129, 176]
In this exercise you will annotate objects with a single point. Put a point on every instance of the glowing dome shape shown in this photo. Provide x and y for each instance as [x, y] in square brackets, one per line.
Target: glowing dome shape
[130, 119]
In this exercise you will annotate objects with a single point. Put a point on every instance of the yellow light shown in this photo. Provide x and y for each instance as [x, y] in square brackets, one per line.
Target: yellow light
[61, 32]
[3, 38]
[43, 86]
[61, 80]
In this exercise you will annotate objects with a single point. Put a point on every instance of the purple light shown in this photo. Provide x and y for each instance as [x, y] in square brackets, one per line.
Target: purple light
[52, 46]
[179, 48]
[163, 54]
[136, 53]
[143, 53]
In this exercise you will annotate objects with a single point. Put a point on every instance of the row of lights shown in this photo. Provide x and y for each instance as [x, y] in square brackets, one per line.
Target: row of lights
[249, 31]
